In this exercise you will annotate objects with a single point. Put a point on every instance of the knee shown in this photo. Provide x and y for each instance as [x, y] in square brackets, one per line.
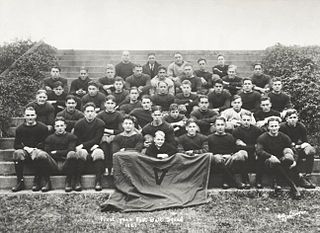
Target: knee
[241, 156]
[19, 155]
[81, 154]
[97, 154]
[41, 155]
[308, 149]
[272, 162]
[71, 155]
[217, 159]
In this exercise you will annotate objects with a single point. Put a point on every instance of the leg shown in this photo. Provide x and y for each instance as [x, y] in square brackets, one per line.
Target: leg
[98, 161]
[82, 156]
[107, 150]
[218, 162]
[237, 164]
[69, 168]
[19, 157]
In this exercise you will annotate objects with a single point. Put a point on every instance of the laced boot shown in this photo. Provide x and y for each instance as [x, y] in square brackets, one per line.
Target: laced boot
[36, 183]
[68, 186]
[19, 171]
[78, 186]
[47, 184]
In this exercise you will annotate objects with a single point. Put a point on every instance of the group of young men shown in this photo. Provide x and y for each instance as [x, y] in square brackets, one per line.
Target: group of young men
[245, 124]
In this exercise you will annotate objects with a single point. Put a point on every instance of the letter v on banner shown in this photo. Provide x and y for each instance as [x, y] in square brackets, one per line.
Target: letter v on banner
[156, 174]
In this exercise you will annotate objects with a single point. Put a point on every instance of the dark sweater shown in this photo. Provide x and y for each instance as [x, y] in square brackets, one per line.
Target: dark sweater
[143, 117]
[260, 80]
[222, 144]
[280, 101]
[178, 130]
[248, 136]
[127, 108]
[196, 83]
[124, 70]
[197, 143]
[221, 101]
[78, 84]
[166, 148]
[98, 100]
[297, 134]
[50, 83]
[31, 136]
[71, 118]
[89, 133]
[106, 81]
[63, 144]
[133, 142]
[112, 120]
[45, 112]
[250, 100]
[220, 70]
[163, 100]
[261, 115]
[164, 127]
[134, 81]
[61, 100]
[204, 119]
[207, 76]
[235, 84]
[268, 145]
[120, 96]
[189, 101]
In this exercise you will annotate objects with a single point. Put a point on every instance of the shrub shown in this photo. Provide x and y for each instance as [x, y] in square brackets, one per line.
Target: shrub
[17, 88]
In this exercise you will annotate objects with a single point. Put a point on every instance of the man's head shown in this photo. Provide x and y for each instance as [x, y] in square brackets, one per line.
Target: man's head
[58, 88]
[246, 119]
[159, 138]
[276, 84]
[60, 125]
[203, 103]
[93, 88]
[55, 72]
[137, 70]
[257, 69]
[118, 83]
[186, 87]
[157, 114]
[125, 58]
[89, 111]
[41, 97]
[30, 115]
[146, 102]
[274, 125]
[163, 87]
[188, 70]
[232, 71]
[191, 127]
[236, 102]
[162, 71]
[128, 123]
[202, 64]
[110, 103]
[110, 71]
[265, 104]
[71, 103]
[292, 117]
[134, 94]
[220, 125]
[83, 73]
[247, 85]
[151, 58]
[174, 111]
[218, 86]
[220, 58]
[178, 59]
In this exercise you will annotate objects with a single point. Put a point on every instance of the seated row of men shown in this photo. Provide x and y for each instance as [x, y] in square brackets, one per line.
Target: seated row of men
[234, 138]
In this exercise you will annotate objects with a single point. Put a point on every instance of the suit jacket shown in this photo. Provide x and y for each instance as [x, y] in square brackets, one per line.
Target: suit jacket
[146, 69]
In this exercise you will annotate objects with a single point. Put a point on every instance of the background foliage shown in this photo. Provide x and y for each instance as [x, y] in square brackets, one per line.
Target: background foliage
[17, 88]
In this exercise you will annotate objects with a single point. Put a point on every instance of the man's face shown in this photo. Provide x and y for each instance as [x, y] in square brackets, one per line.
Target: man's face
[178, 58]
[203, 104]
[192, 129]
[151, 59]
[134, 94]
[128, 125]
[186, 89]
[60, 127]
[110, 73]
[163, 88]
[202, 65]
[30, 116]
[93, 90]
[58, 90]
[273, 127]
[231, 73]
[220, 60]
[276, 86]
[158, 140]
[90, 113]
[146, 104]
[246, 121]
[218, 87]
[162, 74]
[71, 105]
[174, 113]
[188, 71]
[265, 105]
[257, 70]
[125, 57]
[118, 85]
[157, 116]
[236, 104]
[220, 126]
[247, 86]
[55, 73]
[41, 98]
[292, 119]
[83, 74]
[137, 71]
[109, 105]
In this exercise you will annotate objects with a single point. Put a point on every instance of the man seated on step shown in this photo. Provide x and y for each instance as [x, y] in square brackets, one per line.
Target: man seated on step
[225, 155]
[221, 69]
[28, 145]
[188, 74]
[63, 159]
[175, 69]
[163, 98]
[131, 102]
[57, 97]
[119, 92]
[250, 98]
[70, 114]
[89, 131]
[246, 138]
[232, 82]
[94, 96]
[205, 76]
[151, 68]
[143, 114]
[139, 80]
[274, 148]
[260, 80]
[265, 112]
[298, 134]
[186, 100]
[54, 77]
[107, 82]
[79, 86]
[162, 76]
[219, 98]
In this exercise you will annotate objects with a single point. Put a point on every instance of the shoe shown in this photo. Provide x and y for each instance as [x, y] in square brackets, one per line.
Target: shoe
[238, 182]
[308, 178]
[225, 186]
[296, 194]
[47, 184]
[19, 186]
[36, 184]
[68, 186]
[78, 186]
[276, 186]
[306, 184]
[259, 186]
[98, 186]
[247, 186]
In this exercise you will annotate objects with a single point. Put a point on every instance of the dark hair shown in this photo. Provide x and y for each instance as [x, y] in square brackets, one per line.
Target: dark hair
[246, 113]
[118, 79]
[162, 68]
[133, 88]
[191, 120]
[274, 118]
[111, 97]
[218, 81]
[137, 66]
[57, 84]
[177, 53]
[220, 118]
[84, 68]
[89, 104]
[129, 117]
[152, 53]
[186, 82]
[203, 97]
[264, 98]
[156, 108]
[235, 97]
[71, 97]
[30, 108]
[246, 79]
[93, 83]
[41, 91]
[173, 106]
[257, 64]
[60, 118]
[220, 55]
[290, 112]
[56, 67]
[146, 97]
[276, 79]
[201, 59]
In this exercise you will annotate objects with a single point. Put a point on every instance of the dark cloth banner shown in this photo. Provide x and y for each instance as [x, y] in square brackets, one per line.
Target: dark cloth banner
[145, 184]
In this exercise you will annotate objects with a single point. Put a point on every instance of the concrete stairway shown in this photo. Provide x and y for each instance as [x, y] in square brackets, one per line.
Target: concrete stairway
[96, 60]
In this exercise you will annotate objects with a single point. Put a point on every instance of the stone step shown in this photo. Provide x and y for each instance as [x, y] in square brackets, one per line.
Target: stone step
[16, 121]
[57, 182]
[6, 155]
[11, 131]
[6, 143]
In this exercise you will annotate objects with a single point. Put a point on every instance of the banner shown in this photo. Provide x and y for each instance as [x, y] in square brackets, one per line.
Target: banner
[145, 184]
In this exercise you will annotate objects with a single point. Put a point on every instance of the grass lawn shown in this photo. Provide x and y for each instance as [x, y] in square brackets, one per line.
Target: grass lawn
[228, 211]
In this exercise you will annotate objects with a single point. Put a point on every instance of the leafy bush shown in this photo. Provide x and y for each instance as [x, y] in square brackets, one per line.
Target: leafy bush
[299, 69]
[17, 88]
